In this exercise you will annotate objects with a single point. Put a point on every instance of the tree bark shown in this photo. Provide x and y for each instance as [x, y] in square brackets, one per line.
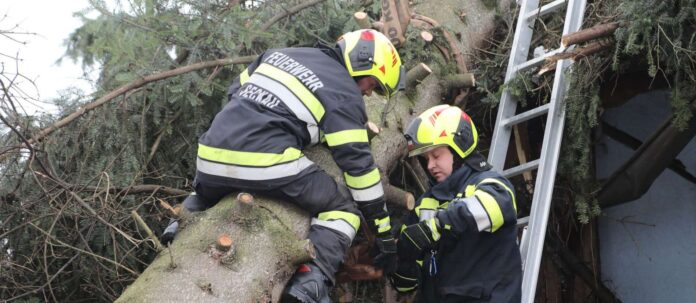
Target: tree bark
[259, 263]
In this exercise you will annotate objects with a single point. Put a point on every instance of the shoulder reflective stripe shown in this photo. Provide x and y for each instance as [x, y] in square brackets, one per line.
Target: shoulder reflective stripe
[244, 76]
[346, 136]
[247, 158]
[483, 222]
[383, 224]
[444, 205]
[290, 100]
[469, 191]
[496, 181]
[459, 195]
[295, 86]
[427, 203]
[492, 208]
[426, 214]
[364, 181]
[367, 194]
[253, 173]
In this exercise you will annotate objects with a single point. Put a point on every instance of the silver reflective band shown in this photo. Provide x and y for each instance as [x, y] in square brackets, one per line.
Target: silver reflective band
[337, 225]
[291, 101]
[367, 194]
[253, 173]
[427, 214]
[384, 224]
[479, 213]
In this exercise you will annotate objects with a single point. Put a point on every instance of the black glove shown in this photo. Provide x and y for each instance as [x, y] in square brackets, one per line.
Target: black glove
[417, 238]
[378, 221]
[169, 233]
[405, 279]
[385, 253]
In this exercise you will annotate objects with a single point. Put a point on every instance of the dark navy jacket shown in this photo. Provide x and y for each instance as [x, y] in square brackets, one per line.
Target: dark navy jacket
[477, 259]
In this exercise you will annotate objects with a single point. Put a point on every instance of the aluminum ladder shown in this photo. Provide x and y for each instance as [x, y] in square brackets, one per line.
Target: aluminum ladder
[532, 242]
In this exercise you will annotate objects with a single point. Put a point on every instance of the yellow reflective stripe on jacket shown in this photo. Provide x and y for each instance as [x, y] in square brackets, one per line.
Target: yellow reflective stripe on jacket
[427, 203]
[496, 181]
[469, 191]
[297, 88]
[383, 224]
[244, 76]
[346, 136]
[227, 156]
[363, 181]
[350, 218]
[492, 208]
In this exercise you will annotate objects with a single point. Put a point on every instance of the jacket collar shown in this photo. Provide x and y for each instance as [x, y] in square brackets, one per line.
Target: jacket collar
[448, 189]
[333, 52]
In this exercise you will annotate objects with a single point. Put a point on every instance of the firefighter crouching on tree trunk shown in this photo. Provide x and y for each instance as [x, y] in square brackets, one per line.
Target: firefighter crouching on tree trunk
[285, 101]
[464, 247]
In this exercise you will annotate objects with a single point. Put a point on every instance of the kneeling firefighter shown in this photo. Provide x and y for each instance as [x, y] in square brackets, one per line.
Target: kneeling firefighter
[285, 101]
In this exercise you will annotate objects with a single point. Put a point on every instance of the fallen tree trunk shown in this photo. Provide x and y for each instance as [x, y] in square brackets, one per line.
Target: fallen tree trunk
[259, 262]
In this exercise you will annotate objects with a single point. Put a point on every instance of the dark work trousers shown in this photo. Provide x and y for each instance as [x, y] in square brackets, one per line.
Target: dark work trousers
[315, 192]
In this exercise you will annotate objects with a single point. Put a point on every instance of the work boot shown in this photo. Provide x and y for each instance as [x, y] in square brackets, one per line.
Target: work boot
[170, 232]
[307, 285]
[192, 203]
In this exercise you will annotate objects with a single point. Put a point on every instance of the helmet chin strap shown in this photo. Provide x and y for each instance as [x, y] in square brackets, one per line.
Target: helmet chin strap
[457, 161]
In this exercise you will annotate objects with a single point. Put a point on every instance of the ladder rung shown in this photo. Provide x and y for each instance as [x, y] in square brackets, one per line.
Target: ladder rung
[530, 114]
[521, 168]
[538, 60]
[545, 10]
[522, 221]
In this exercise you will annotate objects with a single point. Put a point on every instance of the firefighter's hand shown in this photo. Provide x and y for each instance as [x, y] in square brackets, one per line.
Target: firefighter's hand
[417, 238]
[405, 278]
[385, 252]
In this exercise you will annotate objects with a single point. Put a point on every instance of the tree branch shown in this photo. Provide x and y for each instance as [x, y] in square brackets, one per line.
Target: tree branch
[133, 85]
[589, 34]
[293, 10]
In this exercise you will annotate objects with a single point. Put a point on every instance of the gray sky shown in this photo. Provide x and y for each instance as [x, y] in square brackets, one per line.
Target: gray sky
[52, 21]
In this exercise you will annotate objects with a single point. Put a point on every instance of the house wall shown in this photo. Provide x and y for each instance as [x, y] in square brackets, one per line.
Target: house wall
[648, 246]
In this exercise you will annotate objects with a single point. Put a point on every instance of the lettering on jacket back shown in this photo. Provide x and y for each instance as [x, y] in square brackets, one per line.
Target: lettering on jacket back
[301, 72]
[259, 95]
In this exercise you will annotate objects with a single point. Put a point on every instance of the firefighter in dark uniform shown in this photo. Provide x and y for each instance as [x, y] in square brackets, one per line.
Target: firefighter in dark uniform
[285, 101]
[463, 248]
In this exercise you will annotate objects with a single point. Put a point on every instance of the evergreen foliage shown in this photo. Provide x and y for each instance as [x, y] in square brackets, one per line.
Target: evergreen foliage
[57, 248]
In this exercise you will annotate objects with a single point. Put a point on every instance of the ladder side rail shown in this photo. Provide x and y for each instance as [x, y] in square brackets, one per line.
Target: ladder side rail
[507, 106]
[553, 135]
